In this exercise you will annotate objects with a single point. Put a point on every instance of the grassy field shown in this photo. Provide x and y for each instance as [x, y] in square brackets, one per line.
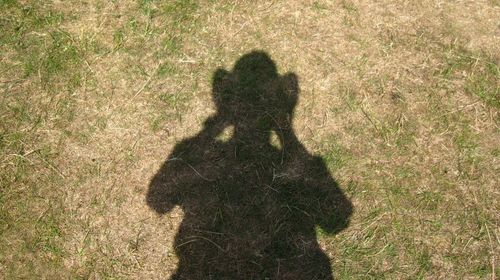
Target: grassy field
[400, 99]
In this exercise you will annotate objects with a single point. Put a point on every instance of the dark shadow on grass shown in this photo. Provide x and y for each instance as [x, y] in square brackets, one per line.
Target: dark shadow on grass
[251, 208]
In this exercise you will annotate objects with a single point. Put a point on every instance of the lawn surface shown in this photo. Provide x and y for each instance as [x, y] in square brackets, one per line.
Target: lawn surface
[400, 100]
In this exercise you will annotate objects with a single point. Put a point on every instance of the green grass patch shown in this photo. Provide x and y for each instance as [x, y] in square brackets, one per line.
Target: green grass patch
[43, 66]
[479, 71]
[334, 154]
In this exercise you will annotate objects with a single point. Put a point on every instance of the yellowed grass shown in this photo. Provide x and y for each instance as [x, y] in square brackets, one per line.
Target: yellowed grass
[420, 154]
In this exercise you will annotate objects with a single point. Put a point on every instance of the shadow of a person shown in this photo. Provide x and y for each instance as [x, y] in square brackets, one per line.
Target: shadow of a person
[250, 208]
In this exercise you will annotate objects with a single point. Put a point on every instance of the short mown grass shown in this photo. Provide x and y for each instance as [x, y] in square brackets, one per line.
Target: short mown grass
[400, 100]
[41, 67]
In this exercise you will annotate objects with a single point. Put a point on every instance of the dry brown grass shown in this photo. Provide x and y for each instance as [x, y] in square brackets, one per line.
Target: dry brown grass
[400, 98]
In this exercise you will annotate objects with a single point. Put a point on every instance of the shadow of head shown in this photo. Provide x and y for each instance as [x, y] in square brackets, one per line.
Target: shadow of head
[253, 95]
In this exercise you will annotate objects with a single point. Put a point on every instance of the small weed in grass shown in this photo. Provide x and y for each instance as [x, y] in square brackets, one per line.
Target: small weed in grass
[479, 71]
[166, 69]
[334, 154]
[424, 262]
[318, 6]
[467, 157]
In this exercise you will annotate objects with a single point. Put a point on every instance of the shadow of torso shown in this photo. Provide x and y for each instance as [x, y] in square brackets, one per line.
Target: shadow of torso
[250, 210]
